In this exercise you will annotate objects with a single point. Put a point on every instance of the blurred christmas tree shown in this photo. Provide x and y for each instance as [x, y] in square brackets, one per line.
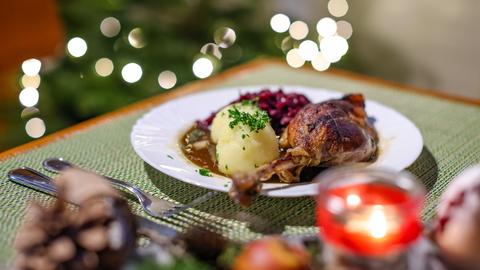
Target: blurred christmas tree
[156, 35]
[120, 51]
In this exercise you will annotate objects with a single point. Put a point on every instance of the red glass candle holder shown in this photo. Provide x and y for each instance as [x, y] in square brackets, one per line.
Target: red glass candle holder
[368, 212]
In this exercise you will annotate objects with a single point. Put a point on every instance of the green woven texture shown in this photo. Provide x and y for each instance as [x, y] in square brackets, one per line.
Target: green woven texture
[451, 133]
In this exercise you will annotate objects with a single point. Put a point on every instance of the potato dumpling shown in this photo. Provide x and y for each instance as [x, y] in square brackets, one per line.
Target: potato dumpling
[245, 146]
[220, 125]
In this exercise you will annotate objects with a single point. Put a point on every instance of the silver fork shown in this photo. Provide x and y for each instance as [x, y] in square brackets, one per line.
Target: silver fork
[154, 206]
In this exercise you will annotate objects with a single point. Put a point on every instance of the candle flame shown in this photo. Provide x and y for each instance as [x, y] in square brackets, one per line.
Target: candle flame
[377, 223]
[353, 200]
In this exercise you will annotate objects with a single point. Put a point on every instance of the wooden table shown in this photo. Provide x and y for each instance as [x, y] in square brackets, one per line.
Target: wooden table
[450, 127]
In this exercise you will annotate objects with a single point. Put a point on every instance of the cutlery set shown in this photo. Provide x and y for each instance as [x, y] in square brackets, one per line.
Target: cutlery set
[155, 207]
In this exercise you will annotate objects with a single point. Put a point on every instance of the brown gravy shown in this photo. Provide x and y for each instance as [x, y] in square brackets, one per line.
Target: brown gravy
[204, 156]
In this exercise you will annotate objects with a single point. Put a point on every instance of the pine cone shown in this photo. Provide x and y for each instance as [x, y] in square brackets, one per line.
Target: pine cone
[100, 235]
[204, 244]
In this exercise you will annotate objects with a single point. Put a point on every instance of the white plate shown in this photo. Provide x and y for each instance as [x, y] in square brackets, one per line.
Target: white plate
[155, 137]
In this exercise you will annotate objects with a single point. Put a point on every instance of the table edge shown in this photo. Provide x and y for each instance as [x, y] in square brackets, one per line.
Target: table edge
[199, 84]
[437, 93]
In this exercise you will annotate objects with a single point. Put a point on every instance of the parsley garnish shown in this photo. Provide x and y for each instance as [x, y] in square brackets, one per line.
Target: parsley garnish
[204, 172]
[255, 121]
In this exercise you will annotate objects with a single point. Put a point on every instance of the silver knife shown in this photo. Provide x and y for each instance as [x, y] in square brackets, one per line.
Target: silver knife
[33, 179]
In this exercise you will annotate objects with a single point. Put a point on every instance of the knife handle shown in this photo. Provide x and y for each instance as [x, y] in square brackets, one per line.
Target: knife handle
[33, 179]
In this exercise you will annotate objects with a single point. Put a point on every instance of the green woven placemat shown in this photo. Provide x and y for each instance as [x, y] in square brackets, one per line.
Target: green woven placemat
[451, 133]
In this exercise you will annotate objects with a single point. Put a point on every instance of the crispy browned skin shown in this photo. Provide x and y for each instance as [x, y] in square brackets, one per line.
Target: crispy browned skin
[329, 133]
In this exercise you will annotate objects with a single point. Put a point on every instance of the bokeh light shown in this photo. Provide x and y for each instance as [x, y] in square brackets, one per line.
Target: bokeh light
[224, 37]
[110, 27]
[35, 127]
[31, 67]
[344, 29]
[333, 48]
[308, 49]
[136, 39]
[202, 67]
[77, 47]
[30, 81]
[298, 30]
[326, 27]
[29, 97]
[211, 49]
[320, 63]
[104, 67]
[167, 79]
[294, 59]
[338, 8]
[287, 44]
[29, 112]
[280, 23]
[132, 72]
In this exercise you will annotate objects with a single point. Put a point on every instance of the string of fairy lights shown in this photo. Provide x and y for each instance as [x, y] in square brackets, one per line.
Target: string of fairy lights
[29, 97]
[328, 46]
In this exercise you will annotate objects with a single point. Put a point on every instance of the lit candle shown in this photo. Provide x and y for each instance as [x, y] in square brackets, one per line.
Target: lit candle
[369, 212]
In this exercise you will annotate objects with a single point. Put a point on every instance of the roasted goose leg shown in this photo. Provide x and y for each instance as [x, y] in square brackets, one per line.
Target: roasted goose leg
[325, 134]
